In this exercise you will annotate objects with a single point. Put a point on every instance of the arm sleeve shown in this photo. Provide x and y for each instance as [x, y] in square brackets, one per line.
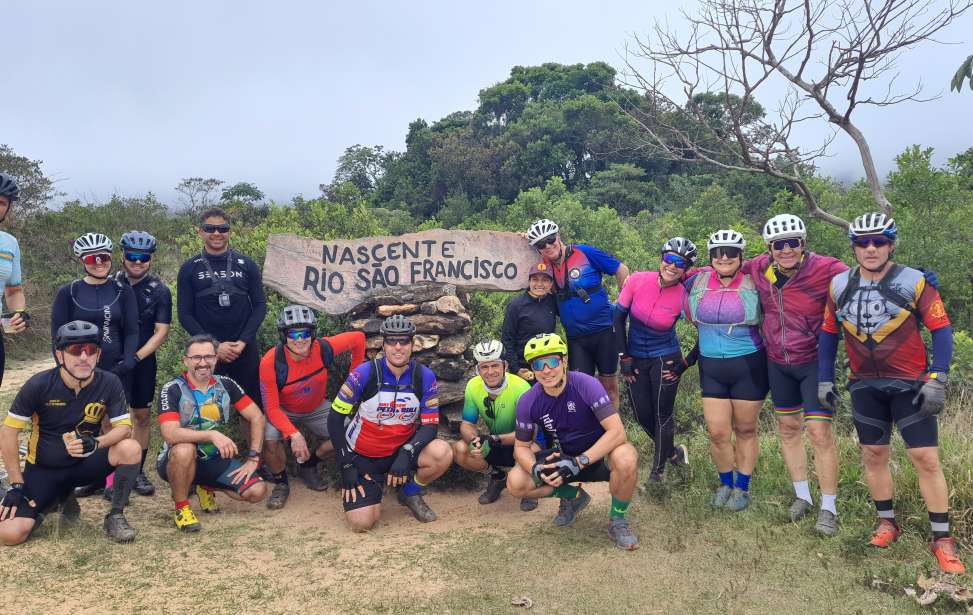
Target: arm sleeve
[599, 259]
[827, 352]
[130, 324]
[353, 342]
[351, 390]
[942, 349]
[336, 429]
[23, 407]
[621, 317]
[186, 300]
[930, 306]
[271, 396]
[163, 309]
[423, 436]
[60, 310]
[258, 304]
[508, 336]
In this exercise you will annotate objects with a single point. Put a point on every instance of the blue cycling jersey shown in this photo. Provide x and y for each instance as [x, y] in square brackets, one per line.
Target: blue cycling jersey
[10, 274]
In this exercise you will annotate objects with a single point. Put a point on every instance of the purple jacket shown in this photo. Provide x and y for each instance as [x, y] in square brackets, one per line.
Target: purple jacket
[793, 314]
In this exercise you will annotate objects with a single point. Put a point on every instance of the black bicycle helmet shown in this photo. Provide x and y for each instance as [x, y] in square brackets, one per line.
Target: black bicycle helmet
[8, 187]
[138, 241]
[397, 325]
[296, 317]
[77, 332]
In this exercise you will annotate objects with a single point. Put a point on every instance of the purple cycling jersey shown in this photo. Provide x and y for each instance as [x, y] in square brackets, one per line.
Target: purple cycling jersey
[573, 418]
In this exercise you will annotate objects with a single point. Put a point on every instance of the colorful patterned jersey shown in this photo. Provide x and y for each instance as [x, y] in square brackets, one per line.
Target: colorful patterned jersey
[201, 409]
[391, 415]
[654, 311]
[882, 338]
[500, 414]
[728, 317]
[581, 273]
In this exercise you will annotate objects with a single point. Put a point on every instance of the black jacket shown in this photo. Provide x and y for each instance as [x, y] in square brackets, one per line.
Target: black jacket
[525, 318]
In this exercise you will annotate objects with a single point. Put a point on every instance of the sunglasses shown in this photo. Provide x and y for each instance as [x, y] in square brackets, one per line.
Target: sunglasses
[864, 242]
[675, 260]
[547, 241]
[200, 358]
[300, 334]
[725, 252]
[398, 341]
[792, 243]
[216, 228]
[138, 257]
[488, 406]
[96, 259]
[539, 364]
[76, 350]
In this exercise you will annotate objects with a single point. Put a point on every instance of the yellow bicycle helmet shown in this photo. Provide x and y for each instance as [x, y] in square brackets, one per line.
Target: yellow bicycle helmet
[544, 344]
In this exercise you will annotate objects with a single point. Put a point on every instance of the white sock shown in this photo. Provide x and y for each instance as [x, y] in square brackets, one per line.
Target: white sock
[803, 491]
[828, 503]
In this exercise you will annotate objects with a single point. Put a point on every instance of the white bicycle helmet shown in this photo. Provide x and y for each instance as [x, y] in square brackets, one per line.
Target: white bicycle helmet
[875, 223]
[490, 350]
[91, 243]
[784, 226]
[726, 238]
[540, 230]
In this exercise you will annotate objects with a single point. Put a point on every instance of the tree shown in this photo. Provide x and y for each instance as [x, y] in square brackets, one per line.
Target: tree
[965, 72]
[197, 192]
[362, 166]
[36, 189]
[242, 192]
[831, 57]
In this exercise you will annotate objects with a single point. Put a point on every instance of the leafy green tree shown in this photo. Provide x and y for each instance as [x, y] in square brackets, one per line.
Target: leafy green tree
[36, 189]
[623, 188]
[198, 193]
[965, 71]
[243, 192]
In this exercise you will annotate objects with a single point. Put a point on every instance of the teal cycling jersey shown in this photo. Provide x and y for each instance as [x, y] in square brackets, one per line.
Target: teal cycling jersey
[500, 414]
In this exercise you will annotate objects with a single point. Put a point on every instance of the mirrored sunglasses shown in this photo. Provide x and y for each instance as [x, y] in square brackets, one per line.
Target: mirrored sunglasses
[299, 334]
[539, 364]
[96, 259]
[675, 260]
[138, 257]
[216, 228]
[76, 350]
[878, 241]
[793, 243]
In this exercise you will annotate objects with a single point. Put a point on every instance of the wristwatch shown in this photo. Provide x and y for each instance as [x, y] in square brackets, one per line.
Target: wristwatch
[583, 460]
[252, 454]
[940, 376]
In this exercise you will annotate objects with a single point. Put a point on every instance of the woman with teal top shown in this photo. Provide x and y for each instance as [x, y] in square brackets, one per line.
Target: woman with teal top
[722, 302]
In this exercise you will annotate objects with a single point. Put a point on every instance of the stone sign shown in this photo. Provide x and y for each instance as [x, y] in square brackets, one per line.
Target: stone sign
[336, 276]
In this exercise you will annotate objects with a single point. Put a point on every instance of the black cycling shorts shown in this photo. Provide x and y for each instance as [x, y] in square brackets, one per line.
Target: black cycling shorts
[212, 473]
[598, 472]
[143, 382]
[46, 485]
[743, 378]
[377, 469]
[878, 404]
[794, 390]
[501, 456]
[597, 351]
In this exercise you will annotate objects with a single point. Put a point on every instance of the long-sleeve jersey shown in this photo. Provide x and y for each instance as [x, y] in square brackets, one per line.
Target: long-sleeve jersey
[525, 317]
[654, 311]
[199, 290]
[110, 307]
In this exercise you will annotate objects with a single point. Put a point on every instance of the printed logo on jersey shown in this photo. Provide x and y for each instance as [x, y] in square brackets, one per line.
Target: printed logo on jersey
[202, 275]
[93, 412]
[937, 309]
[575, 273]
[55, 402]
[572, 407]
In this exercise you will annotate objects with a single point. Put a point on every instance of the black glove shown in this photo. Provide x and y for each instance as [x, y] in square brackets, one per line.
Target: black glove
[402, 464]
[931, 398]
[349, 475]
[88, 444]
[567, 467]
[124, 366]
[15, 497]
[674, 368]
[541, 459]
[827, 396]
[627, 365]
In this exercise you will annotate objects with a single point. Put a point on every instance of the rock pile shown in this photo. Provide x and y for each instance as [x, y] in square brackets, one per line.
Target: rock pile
[442, 339]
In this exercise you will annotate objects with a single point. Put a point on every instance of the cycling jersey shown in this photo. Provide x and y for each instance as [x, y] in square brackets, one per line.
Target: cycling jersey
[307, 379]
[882, 338]
[500, 414]
[204, 279]
[582, 300]
[572, 420]
[793, 308]
[201, 409]
[10, 274]
[154, 301]
[525, 317]
[110, 306]
[654, 312]
[727, 317]
[51, 409]
[390, 415]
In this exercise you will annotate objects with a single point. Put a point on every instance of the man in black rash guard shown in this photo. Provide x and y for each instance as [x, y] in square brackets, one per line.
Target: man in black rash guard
[220, 292]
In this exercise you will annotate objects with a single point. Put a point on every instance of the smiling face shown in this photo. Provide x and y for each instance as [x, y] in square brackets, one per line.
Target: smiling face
[200, 360]
[669, 272]
[550, 251]
[97, 265]
[397, 349]
[726, 266]
[492, 372]
[539, 285]
[136, 270]
[549, 377]
[788, 256]
[303, 346]
[215, 233]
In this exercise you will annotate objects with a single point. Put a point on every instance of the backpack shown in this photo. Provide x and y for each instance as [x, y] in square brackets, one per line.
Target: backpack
[375, 384]
[883, 288]
[280, 363]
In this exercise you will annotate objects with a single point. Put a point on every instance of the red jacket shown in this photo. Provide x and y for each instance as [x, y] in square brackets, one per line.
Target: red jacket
[793, 314]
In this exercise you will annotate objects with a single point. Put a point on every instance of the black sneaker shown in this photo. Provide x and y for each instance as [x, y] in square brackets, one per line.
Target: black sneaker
[528, 504]
[312, 480]
[143, 486]
[118, 529]
[85, 491]
[278, 497]
[494, 488]
[109, 492]
[418, 507]
[70, 510]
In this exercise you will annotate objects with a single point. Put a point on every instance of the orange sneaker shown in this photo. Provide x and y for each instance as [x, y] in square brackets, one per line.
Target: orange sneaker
[945, 551]
[885, 534]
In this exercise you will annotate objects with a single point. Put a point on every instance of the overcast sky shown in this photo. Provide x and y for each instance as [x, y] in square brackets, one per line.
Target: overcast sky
[129, 97]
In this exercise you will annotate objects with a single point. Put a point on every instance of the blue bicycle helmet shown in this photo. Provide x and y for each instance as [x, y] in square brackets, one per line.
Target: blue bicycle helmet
[8, 187]
[138, 241]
